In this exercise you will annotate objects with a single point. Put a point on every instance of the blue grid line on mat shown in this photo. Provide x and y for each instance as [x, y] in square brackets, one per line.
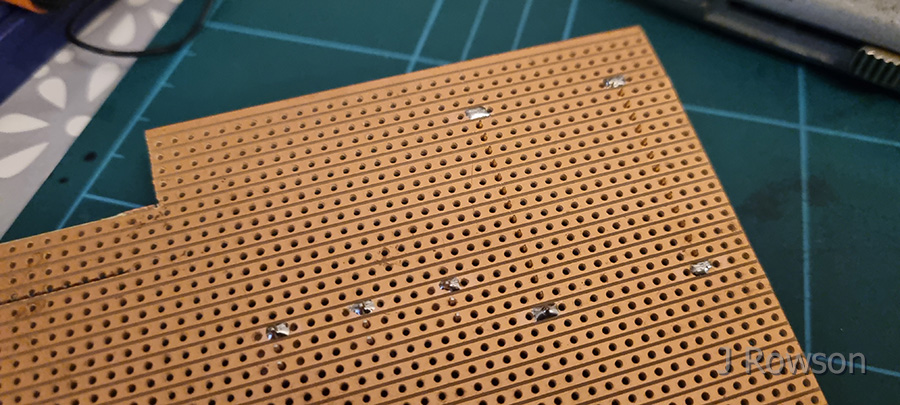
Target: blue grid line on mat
[523, 19]
[429, 23]
[299, 39]
[852, 136]
[804, 212]
[479, 15]
[154, 91]
[113, 201]
[838, 360]
[810, 129]
[570, 19]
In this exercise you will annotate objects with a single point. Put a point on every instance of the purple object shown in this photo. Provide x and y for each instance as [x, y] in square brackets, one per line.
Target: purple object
[28, 40]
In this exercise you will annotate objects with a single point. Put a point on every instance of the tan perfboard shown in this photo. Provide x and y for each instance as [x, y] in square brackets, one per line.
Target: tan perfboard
[375, 244]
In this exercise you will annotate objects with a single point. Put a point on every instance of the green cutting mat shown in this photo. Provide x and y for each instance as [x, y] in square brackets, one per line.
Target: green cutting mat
[809, 160]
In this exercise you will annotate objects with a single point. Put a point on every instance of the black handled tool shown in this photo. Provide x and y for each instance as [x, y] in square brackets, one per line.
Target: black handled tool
[860, 37]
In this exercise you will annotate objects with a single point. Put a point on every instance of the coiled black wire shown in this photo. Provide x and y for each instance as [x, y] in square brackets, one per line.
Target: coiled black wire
[72, 36]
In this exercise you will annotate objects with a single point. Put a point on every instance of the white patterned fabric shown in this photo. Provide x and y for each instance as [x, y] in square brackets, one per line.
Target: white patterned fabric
[43, 117]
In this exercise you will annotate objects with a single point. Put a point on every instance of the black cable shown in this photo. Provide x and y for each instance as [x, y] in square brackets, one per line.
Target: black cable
[160, 50]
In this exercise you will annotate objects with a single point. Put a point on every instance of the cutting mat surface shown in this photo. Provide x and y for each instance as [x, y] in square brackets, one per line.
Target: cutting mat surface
[809, 161]
[540, 226]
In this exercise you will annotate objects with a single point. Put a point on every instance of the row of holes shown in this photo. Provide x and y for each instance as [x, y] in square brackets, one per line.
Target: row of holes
[469, 151]
[450, 107]
[127, 315]
[25, 245]
[82, 248]
[684, 274]
[47, 241]
[584, 201]
[175, 348]
[377, 253]
[452, 117]
[424, 157]
[507, 205]
[84, 264]
[442, 360]
[547, 368]
[363, 164]
[611, 348]
[392, 91]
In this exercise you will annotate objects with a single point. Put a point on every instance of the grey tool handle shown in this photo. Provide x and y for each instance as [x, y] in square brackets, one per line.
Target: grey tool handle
[787, 30]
